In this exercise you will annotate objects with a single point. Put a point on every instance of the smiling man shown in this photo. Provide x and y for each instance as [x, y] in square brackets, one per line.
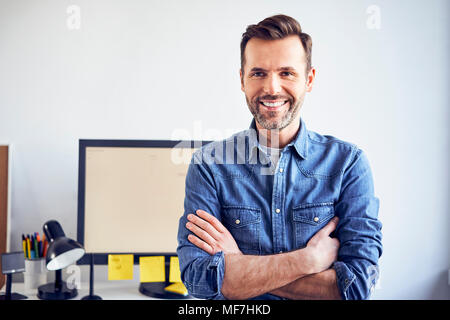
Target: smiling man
[278, 211]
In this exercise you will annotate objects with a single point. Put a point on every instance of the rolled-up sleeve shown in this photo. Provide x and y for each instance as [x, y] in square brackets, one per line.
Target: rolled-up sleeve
[201, 273]
[359, 231]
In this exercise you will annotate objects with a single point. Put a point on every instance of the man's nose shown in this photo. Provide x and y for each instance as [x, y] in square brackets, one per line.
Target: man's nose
[272, 85]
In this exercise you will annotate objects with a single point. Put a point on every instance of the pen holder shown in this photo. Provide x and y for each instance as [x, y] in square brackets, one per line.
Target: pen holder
[35, 274]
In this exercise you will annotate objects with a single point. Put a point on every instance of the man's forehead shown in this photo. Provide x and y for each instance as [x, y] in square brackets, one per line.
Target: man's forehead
[275, 54]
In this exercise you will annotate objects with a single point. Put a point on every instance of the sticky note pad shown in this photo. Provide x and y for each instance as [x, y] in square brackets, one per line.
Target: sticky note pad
[174, 272]
[177, 287]
[152, 269]
[120, 267]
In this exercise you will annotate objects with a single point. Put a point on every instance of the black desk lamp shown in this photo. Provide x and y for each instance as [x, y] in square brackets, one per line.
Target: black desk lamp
[61, 253]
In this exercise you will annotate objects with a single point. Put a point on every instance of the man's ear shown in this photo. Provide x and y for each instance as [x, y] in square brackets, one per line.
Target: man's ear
[310, 79]
[242, 79]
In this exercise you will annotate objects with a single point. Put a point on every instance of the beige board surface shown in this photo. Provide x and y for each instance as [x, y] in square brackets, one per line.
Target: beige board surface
[134, 198]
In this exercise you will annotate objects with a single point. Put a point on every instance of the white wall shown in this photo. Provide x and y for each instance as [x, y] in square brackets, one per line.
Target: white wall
[148, 69]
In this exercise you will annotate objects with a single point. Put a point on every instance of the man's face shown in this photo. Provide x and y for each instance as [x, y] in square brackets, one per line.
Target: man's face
[274, 81]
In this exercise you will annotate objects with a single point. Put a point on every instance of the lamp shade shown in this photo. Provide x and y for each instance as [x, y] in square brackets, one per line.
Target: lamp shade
[61, 251]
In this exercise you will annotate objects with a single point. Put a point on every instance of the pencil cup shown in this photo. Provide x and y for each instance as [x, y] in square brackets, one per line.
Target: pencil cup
[35, 274]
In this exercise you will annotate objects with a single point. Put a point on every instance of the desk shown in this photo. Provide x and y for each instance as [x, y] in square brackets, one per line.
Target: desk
[106, 289]
[111, 290]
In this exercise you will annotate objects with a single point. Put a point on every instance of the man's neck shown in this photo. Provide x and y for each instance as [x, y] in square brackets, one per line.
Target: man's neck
[278, 138]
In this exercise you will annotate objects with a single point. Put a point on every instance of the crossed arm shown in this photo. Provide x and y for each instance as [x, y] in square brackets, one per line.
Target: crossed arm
[299, 274]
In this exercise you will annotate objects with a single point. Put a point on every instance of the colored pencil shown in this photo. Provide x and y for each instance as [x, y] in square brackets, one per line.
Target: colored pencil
[24, 246]
[29, 247]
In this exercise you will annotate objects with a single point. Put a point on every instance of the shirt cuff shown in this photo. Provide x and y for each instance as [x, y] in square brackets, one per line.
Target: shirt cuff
[218, 263]
[211, 289]
[345, 278]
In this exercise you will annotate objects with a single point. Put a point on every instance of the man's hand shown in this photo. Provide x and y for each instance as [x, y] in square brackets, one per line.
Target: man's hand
[211, 235]
[323, 248]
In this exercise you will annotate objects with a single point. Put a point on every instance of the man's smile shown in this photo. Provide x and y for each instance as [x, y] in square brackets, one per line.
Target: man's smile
[273, 105]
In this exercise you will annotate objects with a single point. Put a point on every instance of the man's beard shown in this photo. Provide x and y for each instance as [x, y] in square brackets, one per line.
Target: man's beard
[267, 120]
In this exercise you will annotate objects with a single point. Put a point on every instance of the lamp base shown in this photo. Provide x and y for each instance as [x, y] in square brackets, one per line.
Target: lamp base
[50, 292]
[92, 297]
[13, 296]
[156, 290]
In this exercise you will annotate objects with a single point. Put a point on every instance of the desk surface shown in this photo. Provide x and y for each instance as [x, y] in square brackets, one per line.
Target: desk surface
[106, 289]
[109, 290]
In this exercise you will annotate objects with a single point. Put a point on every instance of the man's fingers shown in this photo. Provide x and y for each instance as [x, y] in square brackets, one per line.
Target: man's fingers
[199, 232]
[212, 220]
[330, 227]
[200, 244]
[205, 225]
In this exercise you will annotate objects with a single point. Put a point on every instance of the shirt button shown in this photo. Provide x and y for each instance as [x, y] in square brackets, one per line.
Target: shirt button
[316, 219]
[238, 221]
[277, 210]
[281, 251]
[281, 170]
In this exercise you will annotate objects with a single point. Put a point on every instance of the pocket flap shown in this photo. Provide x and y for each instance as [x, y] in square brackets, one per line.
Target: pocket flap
[313, 213]
[241, 216]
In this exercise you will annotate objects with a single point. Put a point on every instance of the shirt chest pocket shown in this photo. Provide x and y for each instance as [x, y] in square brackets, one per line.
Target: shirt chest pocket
[309, 218]
[244, 224]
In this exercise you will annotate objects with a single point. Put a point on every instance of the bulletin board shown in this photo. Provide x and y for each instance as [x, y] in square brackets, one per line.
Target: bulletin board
[4, 157]
[131, 195]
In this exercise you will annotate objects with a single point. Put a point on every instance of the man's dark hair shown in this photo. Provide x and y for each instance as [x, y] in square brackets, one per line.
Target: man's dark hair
[277, 27]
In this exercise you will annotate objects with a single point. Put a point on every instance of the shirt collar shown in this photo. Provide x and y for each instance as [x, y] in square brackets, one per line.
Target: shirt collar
[300, 142]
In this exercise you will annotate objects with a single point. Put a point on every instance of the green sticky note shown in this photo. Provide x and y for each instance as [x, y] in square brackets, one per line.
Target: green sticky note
[120, 267]
[152, 269]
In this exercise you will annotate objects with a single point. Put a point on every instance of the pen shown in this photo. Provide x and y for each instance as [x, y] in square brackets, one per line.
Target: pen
[38, 244]
[28, 247]
[45, 248]
[36, 248]
[24, 246]
[32, 247]
[43, 245]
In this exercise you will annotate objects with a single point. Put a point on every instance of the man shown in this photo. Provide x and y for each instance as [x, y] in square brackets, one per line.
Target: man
[260, 206]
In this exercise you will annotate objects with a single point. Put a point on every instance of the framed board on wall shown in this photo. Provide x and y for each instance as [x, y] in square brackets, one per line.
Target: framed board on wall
[4, 203]
[131, 195]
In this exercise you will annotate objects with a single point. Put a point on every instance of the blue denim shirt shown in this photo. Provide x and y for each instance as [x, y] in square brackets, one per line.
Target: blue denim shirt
[273, 210]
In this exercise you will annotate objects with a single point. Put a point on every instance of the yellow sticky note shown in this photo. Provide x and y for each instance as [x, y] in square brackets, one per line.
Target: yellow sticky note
[177, 287]
[174, 272]
[120, 267]
[152, 269]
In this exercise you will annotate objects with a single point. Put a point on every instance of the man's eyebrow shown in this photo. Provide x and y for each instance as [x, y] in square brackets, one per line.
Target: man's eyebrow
[255, 69]
[288, 68]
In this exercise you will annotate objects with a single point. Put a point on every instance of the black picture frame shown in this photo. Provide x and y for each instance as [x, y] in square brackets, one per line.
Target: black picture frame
[102, 258]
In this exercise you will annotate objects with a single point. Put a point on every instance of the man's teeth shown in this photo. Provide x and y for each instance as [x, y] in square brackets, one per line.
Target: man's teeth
[275, 104]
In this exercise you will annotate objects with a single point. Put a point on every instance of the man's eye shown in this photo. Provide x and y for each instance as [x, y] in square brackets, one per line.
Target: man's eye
[258, 74]
[286, 73]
